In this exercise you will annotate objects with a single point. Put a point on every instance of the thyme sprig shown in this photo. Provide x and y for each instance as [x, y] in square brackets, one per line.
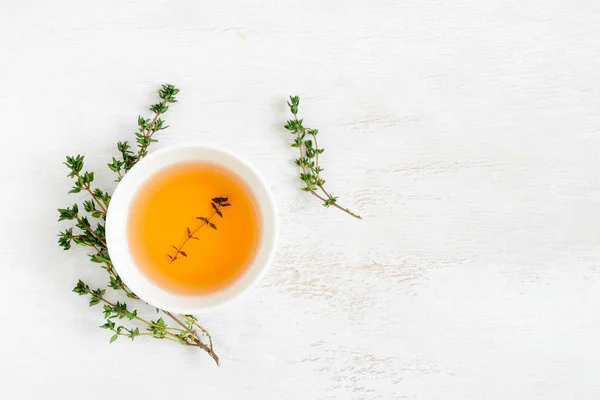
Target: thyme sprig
[217, 203]
[306, 142]
[92, 235]
[144, 136]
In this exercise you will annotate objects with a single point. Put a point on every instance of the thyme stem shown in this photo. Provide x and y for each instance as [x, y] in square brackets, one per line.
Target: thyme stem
[97, 207]
[309, 159]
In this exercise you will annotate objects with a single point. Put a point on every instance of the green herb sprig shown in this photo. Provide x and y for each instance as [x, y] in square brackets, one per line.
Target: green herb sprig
[217, 203]
[146, 129]
[92, 235]
[306, 142]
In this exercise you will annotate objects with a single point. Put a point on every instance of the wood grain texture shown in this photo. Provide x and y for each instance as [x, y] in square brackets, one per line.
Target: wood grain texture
[465, 133]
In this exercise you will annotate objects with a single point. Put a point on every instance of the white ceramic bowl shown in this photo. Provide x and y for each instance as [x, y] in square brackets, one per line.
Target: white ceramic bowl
[116, 228]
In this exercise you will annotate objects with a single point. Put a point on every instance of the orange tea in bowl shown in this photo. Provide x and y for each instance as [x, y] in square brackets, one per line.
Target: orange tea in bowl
[193, 227]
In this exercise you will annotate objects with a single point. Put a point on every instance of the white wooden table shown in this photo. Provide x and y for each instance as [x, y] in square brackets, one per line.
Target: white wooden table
[466, 133]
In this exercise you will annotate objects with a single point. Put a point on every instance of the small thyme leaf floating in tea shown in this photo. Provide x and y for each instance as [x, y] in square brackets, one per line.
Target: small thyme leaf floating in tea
[309, 159]
[91, 235]
[216, 204]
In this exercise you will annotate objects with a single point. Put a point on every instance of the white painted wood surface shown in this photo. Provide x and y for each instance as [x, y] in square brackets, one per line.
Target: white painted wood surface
[466, 133]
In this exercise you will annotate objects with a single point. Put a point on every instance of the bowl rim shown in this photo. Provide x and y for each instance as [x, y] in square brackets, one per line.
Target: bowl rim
[117, 219]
